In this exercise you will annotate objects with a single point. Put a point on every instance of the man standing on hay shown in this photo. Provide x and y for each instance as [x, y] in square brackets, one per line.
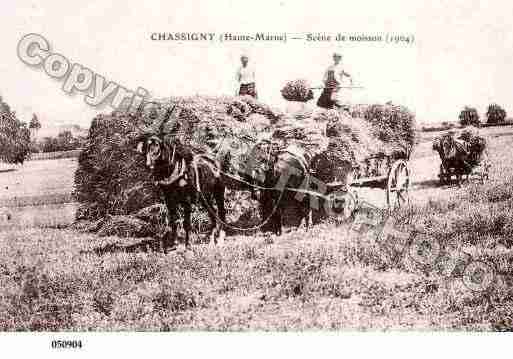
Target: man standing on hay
[333, 79]
[246, 78]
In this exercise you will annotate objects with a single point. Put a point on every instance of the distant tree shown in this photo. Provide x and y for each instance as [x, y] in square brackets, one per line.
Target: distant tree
[49, 144]
[14, 136]
[35, 147]
[4, 106]
[64, 141]
[447, 124]
[34, 125]
[469, 117]
[495, 114]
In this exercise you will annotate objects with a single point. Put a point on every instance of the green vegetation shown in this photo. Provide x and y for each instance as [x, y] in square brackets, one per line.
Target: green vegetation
[34, 125]
[14, 136]
[469, 117]
[65, 141]
[495, 114]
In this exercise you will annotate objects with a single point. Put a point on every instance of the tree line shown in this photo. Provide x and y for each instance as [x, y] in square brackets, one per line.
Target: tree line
[18, 139]
[14, 136]
[495, 115]
[64, 141]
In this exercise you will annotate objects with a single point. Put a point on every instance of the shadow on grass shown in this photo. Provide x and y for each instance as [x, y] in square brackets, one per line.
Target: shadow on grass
[431, 183]
[145, 245]
[435, 183]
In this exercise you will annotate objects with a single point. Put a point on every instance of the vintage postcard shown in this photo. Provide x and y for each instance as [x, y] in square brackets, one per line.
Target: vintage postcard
[209, 167]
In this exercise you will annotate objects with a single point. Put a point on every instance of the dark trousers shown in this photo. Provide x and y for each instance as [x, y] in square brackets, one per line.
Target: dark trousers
[248, 89]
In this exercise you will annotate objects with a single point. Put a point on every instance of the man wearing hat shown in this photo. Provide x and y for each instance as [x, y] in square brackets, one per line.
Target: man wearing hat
[246, 78]
[333, 79]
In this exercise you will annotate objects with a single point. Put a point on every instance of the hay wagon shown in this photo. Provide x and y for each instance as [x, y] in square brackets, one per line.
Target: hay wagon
[386, 172]
[463, 157]
[390, 173]
[448, 171]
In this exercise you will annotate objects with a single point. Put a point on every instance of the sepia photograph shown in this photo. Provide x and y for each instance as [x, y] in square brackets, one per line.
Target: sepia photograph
[203, 169]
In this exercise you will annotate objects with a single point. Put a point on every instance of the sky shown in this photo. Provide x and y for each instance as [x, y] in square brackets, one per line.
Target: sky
[461, 53]
[465, 57]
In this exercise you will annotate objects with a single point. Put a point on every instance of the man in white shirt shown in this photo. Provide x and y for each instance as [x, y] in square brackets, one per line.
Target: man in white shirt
[246, 78]
[333, 79]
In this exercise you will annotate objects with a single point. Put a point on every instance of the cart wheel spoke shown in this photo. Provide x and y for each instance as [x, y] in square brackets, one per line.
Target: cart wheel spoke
[402, 196]
[397, 186]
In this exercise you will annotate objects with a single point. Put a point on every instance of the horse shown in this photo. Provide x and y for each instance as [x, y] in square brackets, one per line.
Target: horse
[456, 155]
[178, 173]
[185, 178]
[333, 166]
[287, 181]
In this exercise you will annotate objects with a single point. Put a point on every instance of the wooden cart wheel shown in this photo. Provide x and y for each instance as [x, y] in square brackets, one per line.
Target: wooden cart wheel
[398, 185]
[443, 175]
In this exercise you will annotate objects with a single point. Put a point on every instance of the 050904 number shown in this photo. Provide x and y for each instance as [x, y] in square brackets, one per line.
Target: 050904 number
[66, 344]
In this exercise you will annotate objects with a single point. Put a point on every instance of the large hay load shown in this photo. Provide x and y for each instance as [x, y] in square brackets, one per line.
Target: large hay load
[368, 142]
[112, 183]
[364, 131]
[371, 137]
[111, 179]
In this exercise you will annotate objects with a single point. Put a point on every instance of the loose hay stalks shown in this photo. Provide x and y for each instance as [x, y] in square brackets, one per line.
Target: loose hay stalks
[297, 90]
[112, 180]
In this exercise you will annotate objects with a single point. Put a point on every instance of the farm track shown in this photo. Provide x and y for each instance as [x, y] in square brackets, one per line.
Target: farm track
[38, 200]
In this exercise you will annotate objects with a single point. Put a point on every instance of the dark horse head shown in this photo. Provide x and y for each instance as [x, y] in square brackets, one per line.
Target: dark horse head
[164, 152]
[184, 178]
[165, 156]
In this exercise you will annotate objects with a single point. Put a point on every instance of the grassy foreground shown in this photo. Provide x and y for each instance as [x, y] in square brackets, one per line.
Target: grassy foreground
[51, 282]
[328, 278]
